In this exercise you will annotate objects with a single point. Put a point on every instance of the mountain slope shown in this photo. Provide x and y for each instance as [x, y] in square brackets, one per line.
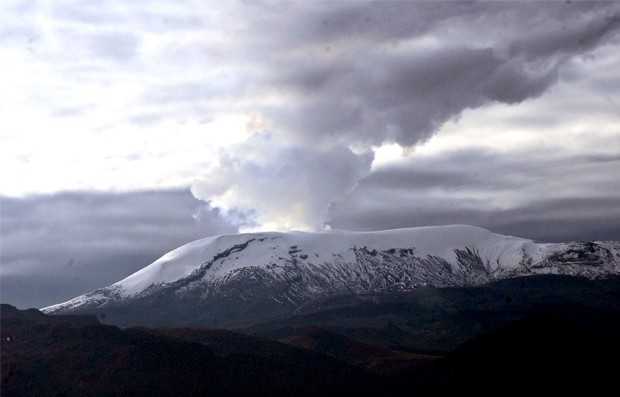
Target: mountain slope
[437, 320]
[237, 280]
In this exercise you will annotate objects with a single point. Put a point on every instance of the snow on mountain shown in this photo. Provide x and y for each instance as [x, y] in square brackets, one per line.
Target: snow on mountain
[290, 269]
[271, 247]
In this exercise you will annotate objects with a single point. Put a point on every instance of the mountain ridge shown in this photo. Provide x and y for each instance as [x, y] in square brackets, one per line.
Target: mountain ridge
[258, 276]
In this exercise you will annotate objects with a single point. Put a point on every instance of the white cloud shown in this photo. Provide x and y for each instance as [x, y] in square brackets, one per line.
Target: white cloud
[288, 186]
[76, 112]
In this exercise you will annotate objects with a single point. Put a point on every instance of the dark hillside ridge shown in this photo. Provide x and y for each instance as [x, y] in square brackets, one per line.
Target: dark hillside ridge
[558, 349]
[437, 320]
[55, 356]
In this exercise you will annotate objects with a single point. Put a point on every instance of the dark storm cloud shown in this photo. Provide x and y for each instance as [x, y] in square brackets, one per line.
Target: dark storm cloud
[380, 20]
[369, 81]
[530, 194]
[406, 98]
[479, 169]
[571, 39]
[65, 244]
[549, 221]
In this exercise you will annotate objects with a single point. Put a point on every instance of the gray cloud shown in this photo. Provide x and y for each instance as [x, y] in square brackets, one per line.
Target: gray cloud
[370, 81]
[548, 221]
[115, 45]
[65, 244]
[582, 35]
[359, 72]
[405, 98]
[530, 194]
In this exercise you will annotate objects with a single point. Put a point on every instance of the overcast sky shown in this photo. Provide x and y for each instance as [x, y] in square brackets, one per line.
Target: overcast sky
[128, 128]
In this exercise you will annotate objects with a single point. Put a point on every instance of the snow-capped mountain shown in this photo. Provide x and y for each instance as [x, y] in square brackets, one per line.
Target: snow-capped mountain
[235, 279]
